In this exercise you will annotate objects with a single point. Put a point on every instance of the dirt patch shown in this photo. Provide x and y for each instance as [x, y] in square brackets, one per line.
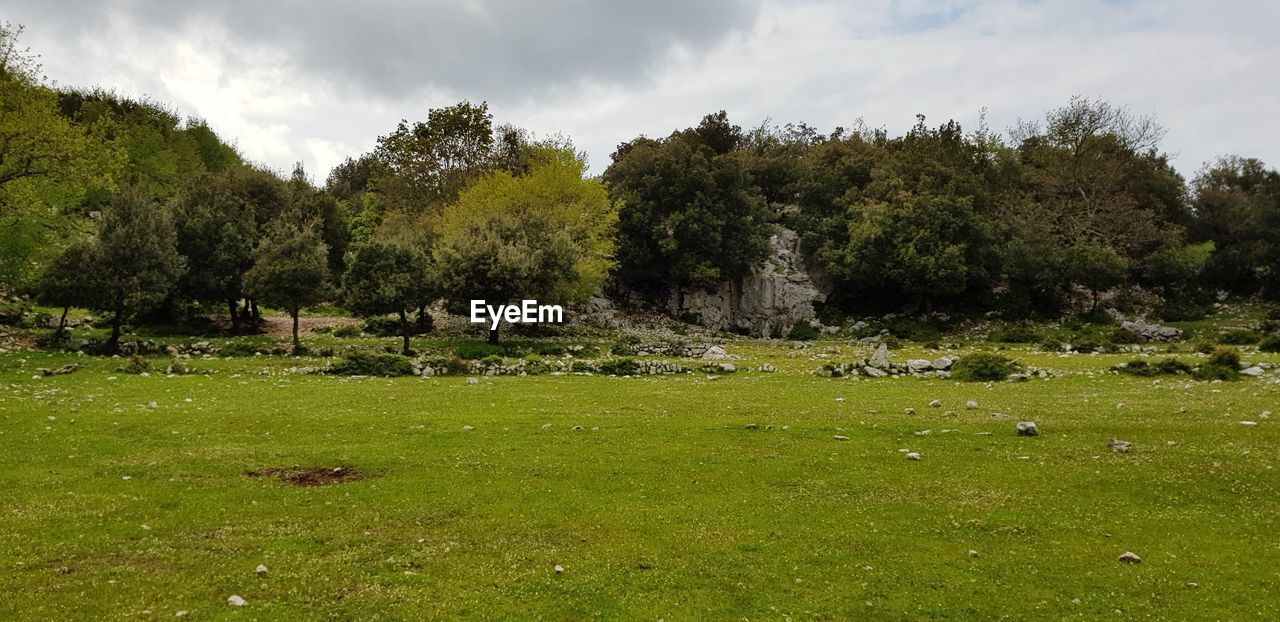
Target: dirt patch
[310, 476]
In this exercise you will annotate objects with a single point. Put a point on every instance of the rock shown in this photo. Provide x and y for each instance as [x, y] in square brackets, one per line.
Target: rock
[973, 553]
[943, 363]
[768, 368]
[1153, 332]
[839, 400]
[1253, 371]
[235, 601]
[152, 405]
[840, 437]
[909, 411]
[1130, 557]
[1248, 423]
[473, 380]
[1027, 428]
[913, 455]
[559, 569]
[935, 404]
[546, 426]
[880, 359]
[875, 372]
[576, 427]
[261, 569]
[467, 428]
[771, 299]
[970, 404]
[923, 432]
[1119, 446]
[919, 365]
[715, 353]
[752, 426]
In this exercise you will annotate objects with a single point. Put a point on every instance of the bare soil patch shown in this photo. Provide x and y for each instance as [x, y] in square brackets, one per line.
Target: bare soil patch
[310, 476]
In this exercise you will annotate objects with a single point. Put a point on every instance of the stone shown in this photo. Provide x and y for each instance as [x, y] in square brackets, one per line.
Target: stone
[768, 368]
[559, 569]
[875, 372]
[1027, 428]
[973, 553]
[771, 299]
[752, 426]
[1119, 446]
[909, 411]
[467, 428]
[935, 404]
[473, 380]
[715, 353]
[1153, 332]
[1129, 557]
[880, 359]
[840, 437]
[919, 365]
[913, 455]
[839, 400]
[970, 405]
[261, 569]
[1248, 423]
[1253, 371]
[236, 601]
[923, 432]
[943, 363]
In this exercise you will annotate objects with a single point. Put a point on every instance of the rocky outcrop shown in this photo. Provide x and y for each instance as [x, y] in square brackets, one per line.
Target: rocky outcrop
[1151, 332]
[768, 302]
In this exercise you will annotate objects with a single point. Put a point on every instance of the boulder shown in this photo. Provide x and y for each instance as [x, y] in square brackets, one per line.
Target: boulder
[1154, 332]
[1027, 428]
[880, 360]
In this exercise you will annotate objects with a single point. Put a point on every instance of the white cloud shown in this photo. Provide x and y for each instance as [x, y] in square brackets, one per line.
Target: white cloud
[1203, 68]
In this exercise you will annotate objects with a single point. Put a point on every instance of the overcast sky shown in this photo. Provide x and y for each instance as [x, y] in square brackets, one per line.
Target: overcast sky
[315, 81]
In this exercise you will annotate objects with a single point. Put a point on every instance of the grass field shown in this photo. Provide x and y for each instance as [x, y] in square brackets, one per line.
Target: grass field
[664, 504]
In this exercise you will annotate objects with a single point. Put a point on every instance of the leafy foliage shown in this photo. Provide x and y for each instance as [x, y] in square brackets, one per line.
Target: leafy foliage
[982, 367]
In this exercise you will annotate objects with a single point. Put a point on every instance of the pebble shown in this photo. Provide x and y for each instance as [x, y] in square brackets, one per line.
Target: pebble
[841, 437]
[973, 553]
[752, 426]
[235, 601]
[910, 411]
[467, 428]
[839, 400]
[559, 569]
[923, 432]
[546, 426]
[473, 380]
[1248, 423]
[913, 456]
[935, 404]
[261, 569]
[1130, 557]
[1027, 428]
[970, 404]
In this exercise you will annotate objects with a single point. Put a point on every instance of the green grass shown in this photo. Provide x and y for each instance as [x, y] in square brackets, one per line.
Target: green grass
[663, 506]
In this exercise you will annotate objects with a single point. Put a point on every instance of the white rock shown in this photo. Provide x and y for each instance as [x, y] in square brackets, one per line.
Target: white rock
[935, 404]
[473, 380]
[235, 601]
[1248, 423]
[261, 569]
[1027, 428]
[1130, 557]
[913, 456]
[1254, 371]
[970, 404]
[840, 437]
[467, 427]
[559, 569]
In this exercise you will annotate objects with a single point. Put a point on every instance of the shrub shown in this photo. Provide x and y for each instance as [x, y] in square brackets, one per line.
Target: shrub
[982, 366]
[1181, 311]
[1088, 347]
[239, 348]
[1239, 337]
[373, 364]
[136, 365]
[1122, 336]
[581, 367]
[493, 360]
[622, 348]
[619, 366]
[1270, 343]
[803, 331]
[1223, 364]
[347, 331]
[1016, 334]
[477, 350]
[1163, 367]
[549, 349]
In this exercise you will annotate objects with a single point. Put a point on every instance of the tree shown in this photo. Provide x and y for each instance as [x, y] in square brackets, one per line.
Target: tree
[69, 280]
[216, 235]
[544, 235]
[1237, 207]
[313, 203]
[383, 278]
[137, 258]
[1097, 267]
[425, 165]
[689, 213]
[290, 267]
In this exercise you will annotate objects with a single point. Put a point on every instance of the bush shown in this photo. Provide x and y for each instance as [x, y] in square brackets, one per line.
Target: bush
[347, 331]
[389, 326]
[373, 364]
[1181, 311]
[1016, 334]
[619, 367]
[136, 365]
[982, 366]
[477, 350]
[622, 348]
[803, 331]
[1271, 343]
[1122, 336]
[1239, 337]
[493, 360]
[239, 348]
[581, 367]
[1164, 367]
[1223, 364]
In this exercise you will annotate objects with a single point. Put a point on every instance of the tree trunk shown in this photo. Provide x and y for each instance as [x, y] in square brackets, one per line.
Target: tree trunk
[113, 345]
[245, 312]
[422, 317]
[404, 332]
[62, 322]
[297, 343]
[235, 317]
[257, 315]
[493, 336]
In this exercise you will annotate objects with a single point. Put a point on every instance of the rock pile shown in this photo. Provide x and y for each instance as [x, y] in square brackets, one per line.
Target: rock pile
[879, 366]
[1152, 332]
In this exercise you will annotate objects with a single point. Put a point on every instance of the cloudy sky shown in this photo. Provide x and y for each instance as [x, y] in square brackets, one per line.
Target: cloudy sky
[310, 81]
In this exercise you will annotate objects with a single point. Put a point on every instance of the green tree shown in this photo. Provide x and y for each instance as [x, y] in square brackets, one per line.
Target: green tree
[1097, 267]
[545, 235]
[216, 235]
[425, 165]
[138, 261]
[689, 213]
[290, 267]
[1237, 207]
[384, 278]
[70, 280]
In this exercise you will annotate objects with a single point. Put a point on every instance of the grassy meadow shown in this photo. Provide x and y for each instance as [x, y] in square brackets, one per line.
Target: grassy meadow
[660, 497]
